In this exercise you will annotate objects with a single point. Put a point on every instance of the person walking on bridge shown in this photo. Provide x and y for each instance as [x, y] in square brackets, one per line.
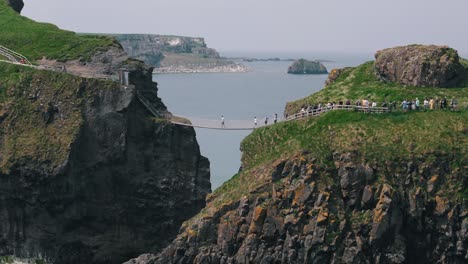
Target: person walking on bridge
[222, 121]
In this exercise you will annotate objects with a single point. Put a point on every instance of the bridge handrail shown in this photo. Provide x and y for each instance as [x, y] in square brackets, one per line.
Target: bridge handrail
[15, 53]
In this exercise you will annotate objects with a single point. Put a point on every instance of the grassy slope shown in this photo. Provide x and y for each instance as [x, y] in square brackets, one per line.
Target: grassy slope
[36, 40]
[361, 82]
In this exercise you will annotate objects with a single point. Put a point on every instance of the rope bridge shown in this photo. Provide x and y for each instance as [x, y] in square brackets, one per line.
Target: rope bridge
[250, 124]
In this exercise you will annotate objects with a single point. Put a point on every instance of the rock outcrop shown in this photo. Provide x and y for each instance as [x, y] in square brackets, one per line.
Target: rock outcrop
[419, 65]
[88, 174]
[176, 53]
[17, 5]
[334, 75]
[331, 214]
[303, 66]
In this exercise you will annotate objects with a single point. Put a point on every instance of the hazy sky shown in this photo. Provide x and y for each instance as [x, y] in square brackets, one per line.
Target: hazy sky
[270, 25]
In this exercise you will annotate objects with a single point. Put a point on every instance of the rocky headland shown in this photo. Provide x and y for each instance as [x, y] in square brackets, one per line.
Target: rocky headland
[342, 188]
[303, 66]
[91, 168]
[176, 54]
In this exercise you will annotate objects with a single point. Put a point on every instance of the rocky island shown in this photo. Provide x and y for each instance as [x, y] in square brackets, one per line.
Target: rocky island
[351, 188]
[303, 66]
[176, 54]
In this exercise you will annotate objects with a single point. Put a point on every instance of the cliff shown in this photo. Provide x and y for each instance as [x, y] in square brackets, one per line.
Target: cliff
[87, 173]
[302, 66]
[176, 53]
[344, 187]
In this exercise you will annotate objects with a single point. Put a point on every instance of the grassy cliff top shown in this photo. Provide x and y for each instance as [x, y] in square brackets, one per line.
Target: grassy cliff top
[37, 40]
[361, 82]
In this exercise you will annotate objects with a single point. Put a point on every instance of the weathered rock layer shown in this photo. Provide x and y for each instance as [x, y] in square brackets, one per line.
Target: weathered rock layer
[419, 65]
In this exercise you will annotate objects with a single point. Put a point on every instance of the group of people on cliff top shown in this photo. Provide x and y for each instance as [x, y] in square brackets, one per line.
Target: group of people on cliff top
[406, 105]
[429, 103]
[365, 103]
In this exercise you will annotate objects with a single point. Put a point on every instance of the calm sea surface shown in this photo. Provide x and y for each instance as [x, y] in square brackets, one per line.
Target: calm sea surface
[260, 92]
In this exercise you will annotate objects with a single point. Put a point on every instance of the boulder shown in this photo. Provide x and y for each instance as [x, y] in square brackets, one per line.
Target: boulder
[334, 75]
[17, 5]
[303, 66]
[419, 65]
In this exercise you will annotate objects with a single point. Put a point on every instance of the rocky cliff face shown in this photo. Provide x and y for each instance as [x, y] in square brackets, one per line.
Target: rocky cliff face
[88, 175]
[418, 65]
[307, 67]
[340, 213]
[17, 5]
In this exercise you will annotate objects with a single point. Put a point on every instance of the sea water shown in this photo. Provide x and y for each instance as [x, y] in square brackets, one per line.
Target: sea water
[261, 92]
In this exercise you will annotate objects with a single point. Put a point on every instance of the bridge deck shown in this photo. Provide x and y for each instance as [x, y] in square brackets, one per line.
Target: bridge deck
[249, 124]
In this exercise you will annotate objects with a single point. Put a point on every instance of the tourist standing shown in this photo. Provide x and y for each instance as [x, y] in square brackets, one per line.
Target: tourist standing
[404, 105]
[426, 103]
[453, 104]
[431, 104]
[255, 121]
[266, 120]
[275, 118]
[222, 121]
[417, 103]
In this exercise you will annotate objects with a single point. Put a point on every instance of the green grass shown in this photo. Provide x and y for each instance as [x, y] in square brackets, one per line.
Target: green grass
[361, 82]
[37, 40]
[378, 136]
